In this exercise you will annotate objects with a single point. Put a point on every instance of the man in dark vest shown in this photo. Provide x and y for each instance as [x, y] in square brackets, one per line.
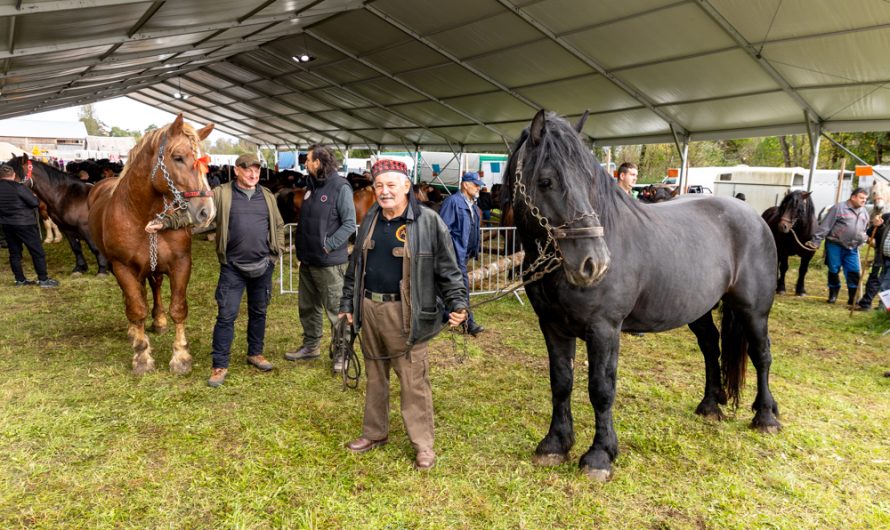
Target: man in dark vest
[327, 220]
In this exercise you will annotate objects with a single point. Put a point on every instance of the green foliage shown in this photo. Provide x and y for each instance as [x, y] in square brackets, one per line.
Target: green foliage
[91, 121]
[117, 131]
[87, 445]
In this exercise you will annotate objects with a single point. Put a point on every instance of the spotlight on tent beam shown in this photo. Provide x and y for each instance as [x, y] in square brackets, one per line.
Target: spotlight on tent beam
[303, 58]
[177, 95]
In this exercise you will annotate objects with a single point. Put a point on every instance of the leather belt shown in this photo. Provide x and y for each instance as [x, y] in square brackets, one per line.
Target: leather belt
[383, 297]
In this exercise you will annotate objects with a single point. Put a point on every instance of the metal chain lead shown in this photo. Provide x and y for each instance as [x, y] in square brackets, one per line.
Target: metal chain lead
[179, 203]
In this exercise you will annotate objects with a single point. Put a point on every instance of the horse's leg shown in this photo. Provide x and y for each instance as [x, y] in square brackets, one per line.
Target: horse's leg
[602, 354]
[783, 268]
[709, 343]
[80, 264]
[136, 307]
[765, 407]
[801, 290]
[181, 362]
[158, 315]
[101, 262]
[554, 448]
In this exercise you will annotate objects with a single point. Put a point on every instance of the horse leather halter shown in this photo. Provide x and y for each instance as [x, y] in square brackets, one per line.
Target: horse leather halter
[180, 200]
[548, 261]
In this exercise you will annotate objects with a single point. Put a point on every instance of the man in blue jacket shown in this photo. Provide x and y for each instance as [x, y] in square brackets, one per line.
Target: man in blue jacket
[462, 217]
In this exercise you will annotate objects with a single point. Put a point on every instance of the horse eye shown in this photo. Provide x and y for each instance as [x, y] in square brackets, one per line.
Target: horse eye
[545, 183]
[178, 158]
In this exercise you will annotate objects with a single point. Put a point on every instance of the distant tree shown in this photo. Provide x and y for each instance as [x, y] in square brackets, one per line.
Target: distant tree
[150, 128]
[119, 132]
[94, 127]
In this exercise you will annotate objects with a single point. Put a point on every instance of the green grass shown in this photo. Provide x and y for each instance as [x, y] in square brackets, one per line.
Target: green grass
[86, 444]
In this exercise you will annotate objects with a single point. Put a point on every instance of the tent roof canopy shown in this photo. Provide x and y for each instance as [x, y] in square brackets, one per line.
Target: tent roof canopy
[459, 74]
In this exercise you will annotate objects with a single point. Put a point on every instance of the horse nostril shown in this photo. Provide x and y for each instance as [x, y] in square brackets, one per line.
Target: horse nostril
[202, 215]
[588, 268]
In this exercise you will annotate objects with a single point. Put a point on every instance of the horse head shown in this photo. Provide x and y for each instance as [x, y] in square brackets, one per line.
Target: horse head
[796, 207]
[556, 193]
[179, 170]
[878, 196]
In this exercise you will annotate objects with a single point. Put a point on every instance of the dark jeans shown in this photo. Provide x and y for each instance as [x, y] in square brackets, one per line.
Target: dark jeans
[463, 270]
[29, 236]
[873, 285]
[229, 290]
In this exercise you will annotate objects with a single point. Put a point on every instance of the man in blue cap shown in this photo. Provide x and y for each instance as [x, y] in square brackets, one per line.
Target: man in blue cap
[462, 217]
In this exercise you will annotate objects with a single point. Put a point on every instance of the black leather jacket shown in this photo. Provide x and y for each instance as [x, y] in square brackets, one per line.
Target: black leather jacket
[435, 280]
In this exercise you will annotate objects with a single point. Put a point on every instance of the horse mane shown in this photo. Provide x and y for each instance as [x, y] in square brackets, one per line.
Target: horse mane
[562, 147]
[55, 176]
[145, 151]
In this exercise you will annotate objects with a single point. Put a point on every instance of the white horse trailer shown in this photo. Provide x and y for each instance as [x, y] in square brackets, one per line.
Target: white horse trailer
[766, 186]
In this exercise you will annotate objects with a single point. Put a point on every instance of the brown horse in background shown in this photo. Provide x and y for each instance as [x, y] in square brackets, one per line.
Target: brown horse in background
[164, 173]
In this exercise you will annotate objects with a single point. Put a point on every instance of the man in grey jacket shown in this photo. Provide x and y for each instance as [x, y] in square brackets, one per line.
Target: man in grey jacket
[403, 260]
[843, 229]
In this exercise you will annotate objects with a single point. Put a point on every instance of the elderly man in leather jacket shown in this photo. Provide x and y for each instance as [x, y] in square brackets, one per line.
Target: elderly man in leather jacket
[402, 263]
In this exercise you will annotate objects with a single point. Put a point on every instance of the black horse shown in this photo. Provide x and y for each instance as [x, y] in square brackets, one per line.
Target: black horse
[600, 263]
[655, 193]
[792, 222]
[66, 203]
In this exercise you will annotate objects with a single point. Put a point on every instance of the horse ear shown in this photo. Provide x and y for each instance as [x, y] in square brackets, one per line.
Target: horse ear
[675, 192]
[204, 132]
[580, 125]
[176, 127]
[806, 195]
[536, 131]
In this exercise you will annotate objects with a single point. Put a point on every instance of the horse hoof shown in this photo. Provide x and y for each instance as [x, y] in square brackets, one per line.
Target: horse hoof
[780, 291]
[767, 429]
[159, 330]
[181, 367]
[549, 460]
[597, 475]
[144, 368]
[102, 273]
[76, 273]
[801, 294]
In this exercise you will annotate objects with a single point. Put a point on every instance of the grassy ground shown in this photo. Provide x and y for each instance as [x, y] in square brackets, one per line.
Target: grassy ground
[86, 444]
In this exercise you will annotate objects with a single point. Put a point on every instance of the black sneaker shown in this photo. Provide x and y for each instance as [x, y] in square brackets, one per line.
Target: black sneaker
[22, 283]
[48, 283]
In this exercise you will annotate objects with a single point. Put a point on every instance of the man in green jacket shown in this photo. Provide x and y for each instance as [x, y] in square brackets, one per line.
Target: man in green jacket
[402, 261]
[249, 238]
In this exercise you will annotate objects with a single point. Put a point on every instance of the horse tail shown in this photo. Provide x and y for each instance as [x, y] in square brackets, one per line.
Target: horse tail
[734, 354]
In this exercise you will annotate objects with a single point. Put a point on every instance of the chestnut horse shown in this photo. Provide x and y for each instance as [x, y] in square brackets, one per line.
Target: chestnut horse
[165, 172]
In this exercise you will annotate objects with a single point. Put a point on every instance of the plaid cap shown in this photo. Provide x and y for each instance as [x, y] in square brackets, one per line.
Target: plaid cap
[387, 166]
[6, 169]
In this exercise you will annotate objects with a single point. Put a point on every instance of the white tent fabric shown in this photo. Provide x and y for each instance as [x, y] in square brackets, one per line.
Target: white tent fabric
[461, 74]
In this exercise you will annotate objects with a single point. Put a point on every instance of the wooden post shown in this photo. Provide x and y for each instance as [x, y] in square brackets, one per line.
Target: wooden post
[840, 180]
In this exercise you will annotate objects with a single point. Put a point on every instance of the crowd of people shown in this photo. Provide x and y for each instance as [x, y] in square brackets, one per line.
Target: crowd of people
[405, 280]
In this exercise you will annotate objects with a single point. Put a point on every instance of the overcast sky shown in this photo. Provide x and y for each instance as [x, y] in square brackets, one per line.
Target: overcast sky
[122, 112]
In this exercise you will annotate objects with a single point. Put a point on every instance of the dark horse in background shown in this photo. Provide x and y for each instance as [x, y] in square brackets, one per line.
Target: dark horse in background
[652, 193]
[66, 204]
[792, 223]
[164, 172]
[613, 265]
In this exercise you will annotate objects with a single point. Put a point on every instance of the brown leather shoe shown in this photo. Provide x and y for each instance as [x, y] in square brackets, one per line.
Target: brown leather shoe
[259, 362]
[217, 377]
[425, 460]
[362, 444]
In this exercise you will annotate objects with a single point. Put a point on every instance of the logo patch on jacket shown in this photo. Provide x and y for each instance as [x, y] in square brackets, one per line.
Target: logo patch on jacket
[401, 232]
[323, 198]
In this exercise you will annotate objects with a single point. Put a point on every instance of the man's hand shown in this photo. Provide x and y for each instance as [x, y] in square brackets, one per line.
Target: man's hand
[154, 226]
[812, 246]
[456, 318]
[347, 315]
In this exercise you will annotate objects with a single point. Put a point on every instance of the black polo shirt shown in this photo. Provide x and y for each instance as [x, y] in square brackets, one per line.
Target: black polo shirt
[383, 269]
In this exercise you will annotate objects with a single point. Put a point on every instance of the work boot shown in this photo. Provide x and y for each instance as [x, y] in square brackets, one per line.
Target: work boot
[832, 294]
[473, 328]
[305, 353]
[259, 362]
[851, 295]
[217, 377]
